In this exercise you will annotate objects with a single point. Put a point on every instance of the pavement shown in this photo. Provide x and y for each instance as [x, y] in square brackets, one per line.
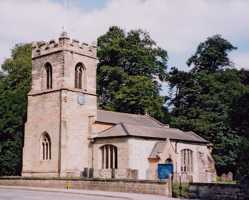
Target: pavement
[35, 193]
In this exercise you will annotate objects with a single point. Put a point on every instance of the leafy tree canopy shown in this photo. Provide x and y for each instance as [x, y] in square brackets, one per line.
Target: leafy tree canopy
[240, 124]
[135, 52]
[211, 55]
[131, 63]
[204, 96]
[139, 95]
[240, 114]
[14, 86]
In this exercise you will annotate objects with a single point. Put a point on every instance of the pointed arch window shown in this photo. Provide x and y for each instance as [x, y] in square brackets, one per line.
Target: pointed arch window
[49, 75]
[109, 157]
[80, 76]
[45, 147]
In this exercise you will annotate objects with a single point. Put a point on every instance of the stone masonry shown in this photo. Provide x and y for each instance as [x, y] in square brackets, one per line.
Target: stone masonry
[57, 111]
[134, 186]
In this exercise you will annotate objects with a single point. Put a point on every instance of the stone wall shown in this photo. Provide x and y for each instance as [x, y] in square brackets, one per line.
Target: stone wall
[40, 109]
[146, 187]
[212, 191]
[116, 173]
[139, 152]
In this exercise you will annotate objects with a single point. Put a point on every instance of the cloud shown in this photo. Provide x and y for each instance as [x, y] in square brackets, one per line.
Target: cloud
[178, 26]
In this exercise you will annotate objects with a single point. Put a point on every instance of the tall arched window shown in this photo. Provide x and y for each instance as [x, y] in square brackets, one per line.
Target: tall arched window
[109, 157]
[80, 76]
[186, 160]
[49, 75]
[45, 147]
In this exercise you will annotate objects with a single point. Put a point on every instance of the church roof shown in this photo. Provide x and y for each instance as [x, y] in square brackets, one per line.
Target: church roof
[118, 117]
[125, 129]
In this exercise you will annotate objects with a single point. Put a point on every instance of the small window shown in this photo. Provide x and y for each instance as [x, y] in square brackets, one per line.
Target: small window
[187, 160]
[45, 147]
[49, 76]
[80, 76]
[109, 157]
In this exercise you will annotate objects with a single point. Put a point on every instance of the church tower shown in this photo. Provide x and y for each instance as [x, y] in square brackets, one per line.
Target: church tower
[61, 103]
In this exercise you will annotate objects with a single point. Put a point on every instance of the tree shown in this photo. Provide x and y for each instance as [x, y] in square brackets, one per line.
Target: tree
[239, 115]
[203, 105]
[139, 95]
[109, 80]
[126, 62]
[14, 86]
[204, 96]
[135, 52]
[243, 165]
[211, 55]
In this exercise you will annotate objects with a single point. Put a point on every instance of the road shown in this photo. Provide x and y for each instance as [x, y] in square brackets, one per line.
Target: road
[36, 193]
[20, 194]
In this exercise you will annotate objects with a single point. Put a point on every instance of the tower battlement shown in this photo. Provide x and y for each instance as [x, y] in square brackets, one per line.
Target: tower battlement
[64, 43]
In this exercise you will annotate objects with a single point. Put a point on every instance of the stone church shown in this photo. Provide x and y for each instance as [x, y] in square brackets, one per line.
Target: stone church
[66, 135]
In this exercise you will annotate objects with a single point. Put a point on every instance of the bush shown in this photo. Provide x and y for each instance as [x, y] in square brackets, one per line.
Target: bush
[180, 190]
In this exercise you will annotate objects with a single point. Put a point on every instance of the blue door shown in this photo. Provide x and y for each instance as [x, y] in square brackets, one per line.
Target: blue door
[164, 170]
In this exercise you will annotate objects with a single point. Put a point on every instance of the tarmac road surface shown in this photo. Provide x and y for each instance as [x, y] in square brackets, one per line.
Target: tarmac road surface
[20, 194]
[32, 193]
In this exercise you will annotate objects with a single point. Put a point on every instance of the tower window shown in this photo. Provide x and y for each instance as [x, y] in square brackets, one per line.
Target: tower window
[45, 147]
[49, 75]
[80, 79]
[109, 157]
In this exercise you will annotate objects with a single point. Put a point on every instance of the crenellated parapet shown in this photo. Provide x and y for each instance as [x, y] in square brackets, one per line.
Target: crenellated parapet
[64, 43]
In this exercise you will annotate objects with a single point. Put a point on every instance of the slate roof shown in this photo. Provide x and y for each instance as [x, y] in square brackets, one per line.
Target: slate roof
[161, 132]
[118, 117]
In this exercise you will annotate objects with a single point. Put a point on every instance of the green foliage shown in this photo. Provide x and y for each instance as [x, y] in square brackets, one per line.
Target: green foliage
[239, 122]
[243, 164]
[203, 104]
[111, 79]
[204, 98]
[180, 190]
[211, 55]
[14, 87]
[139, 95]
[129, 68]
[135, 52]
[239, 114]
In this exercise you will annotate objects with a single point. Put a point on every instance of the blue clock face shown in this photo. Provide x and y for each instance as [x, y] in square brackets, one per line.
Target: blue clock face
[81, 99]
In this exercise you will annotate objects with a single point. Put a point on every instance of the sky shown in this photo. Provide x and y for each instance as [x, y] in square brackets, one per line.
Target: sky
[176, 25]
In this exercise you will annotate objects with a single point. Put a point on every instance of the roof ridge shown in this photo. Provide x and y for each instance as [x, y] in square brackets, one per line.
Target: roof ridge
[152, 118]
[196, 135]
[148, 127]
[124, 113]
